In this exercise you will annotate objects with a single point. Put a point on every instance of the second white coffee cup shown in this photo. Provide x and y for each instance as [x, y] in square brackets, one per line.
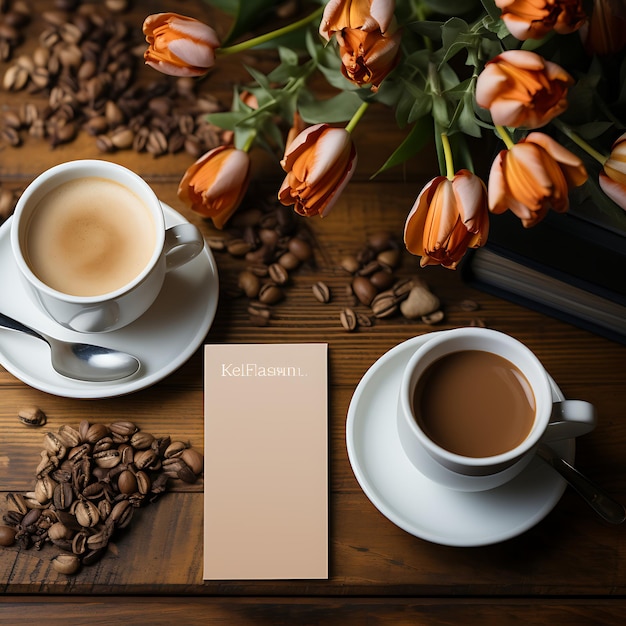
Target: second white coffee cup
[90, 242]
[474, 405]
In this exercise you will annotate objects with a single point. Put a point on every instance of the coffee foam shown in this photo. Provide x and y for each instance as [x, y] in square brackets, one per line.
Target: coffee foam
[89, 236]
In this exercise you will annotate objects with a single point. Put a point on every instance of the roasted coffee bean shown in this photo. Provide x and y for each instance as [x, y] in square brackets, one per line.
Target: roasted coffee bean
[238, 247]
[175, 449]
[350, 264]
[44, 489]
[321, 292]
[380, 241]
[469, 305]
[300, 248]
[141, 440]
[270, 293]
[278, 273]
[382, 280]
[69, 435]
[53, 444]
[384, 304]
[126, 482]
[369, 268]
[122, 428]
[250, 284]
[193, 459]
[107, 458]
[63, 496]
[364, 320]
[96, 432]
[348, 319]
[260, 313]
[289, 261]
[364, 290]
[389, 258]
[433, 318]
[59, 530]
[66, 564]
[7, 535]
[32, 416]
[17, 503]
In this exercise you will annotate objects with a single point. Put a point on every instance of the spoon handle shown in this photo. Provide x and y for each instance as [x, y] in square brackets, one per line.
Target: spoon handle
[603, 504]
[11, 324]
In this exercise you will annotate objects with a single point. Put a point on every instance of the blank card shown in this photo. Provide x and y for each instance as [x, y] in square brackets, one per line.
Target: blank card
[266, 461]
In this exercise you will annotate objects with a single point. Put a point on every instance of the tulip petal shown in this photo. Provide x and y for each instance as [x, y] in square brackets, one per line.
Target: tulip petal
[613, 189]
[193, 53]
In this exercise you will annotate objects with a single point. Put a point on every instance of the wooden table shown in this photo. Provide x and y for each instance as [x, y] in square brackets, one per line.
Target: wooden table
[569, 569]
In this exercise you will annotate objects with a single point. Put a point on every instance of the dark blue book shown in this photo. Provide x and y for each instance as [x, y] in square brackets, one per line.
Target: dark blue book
[571, 266]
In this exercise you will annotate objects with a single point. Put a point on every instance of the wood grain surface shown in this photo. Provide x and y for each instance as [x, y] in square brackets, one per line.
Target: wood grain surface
[569, 569]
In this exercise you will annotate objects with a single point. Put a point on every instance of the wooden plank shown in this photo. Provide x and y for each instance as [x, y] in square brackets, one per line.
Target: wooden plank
[304, 612]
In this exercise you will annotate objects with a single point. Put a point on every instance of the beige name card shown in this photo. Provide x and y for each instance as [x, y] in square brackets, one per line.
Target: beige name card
[266, 461]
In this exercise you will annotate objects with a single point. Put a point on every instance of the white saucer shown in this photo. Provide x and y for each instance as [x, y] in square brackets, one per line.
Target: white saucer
[162, 339]
[415, 503]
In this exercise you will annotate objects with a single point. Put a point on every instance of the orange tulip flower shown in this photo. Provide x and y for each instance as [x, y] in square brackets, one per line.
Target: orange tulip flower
[613, 178]
[216, 183]
[179, 45]
[319, 163]
[448, 217]
[522, 89]
[532, 177]
[365, 15]
[527, 19]
[367, 57]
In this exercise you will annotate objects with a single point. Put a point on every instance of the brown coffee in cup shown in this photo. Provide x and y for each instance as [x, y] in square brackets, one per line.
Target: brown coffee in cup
[89, 236]
[474, 403]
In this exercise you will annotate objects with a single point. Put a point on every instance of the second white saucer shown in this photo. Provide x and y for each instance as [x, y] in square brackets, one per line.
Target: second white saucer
[415, 503]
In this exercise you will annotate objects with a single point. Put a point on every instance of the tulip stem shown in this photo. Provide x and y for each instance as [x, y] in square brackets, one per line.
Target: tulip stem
[580, 142]
[504, 135]
[447, 151]
[356, 117]
[249, 142]
[261, 39]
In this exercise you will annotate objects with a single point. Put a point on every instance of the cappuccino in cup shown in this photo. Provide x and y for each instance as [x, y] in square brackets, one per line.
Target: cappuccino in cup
[90, 242]
[89, 236]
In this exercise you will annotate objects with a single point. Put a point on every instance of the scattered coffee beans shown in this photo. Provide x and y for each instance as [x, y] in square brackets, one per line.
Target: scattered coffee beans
[89, 481]
[82, 78]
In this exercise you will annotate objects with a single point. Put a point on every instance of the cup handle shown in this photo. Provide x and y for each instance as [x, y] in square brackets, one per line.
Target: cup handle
[569, 419]
[183, 242]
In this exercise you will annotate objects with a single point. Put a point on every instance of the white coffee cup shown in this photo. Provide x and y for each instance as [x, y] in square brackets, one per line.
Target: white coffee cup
[549, 420]
[128, 268]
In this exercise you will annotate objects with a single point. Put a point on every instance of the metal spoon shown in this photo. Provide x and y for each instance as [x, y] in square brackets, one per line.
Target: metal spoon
[603, 504]
[81, 361]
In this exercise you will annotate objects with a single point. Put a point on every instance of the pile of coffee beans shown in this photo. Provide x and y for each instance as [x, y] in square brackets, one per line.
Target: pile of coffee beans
[82, 77]
[89, 482]
[272, 242]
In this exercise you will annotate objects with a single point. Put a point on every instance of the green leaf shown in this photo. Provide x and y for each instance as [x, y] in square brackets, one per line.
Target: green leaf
[430, 29]
[421, 106]
[339, 108]
[227, 120]
[248, 14]
[492, 10]
[419, 135]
